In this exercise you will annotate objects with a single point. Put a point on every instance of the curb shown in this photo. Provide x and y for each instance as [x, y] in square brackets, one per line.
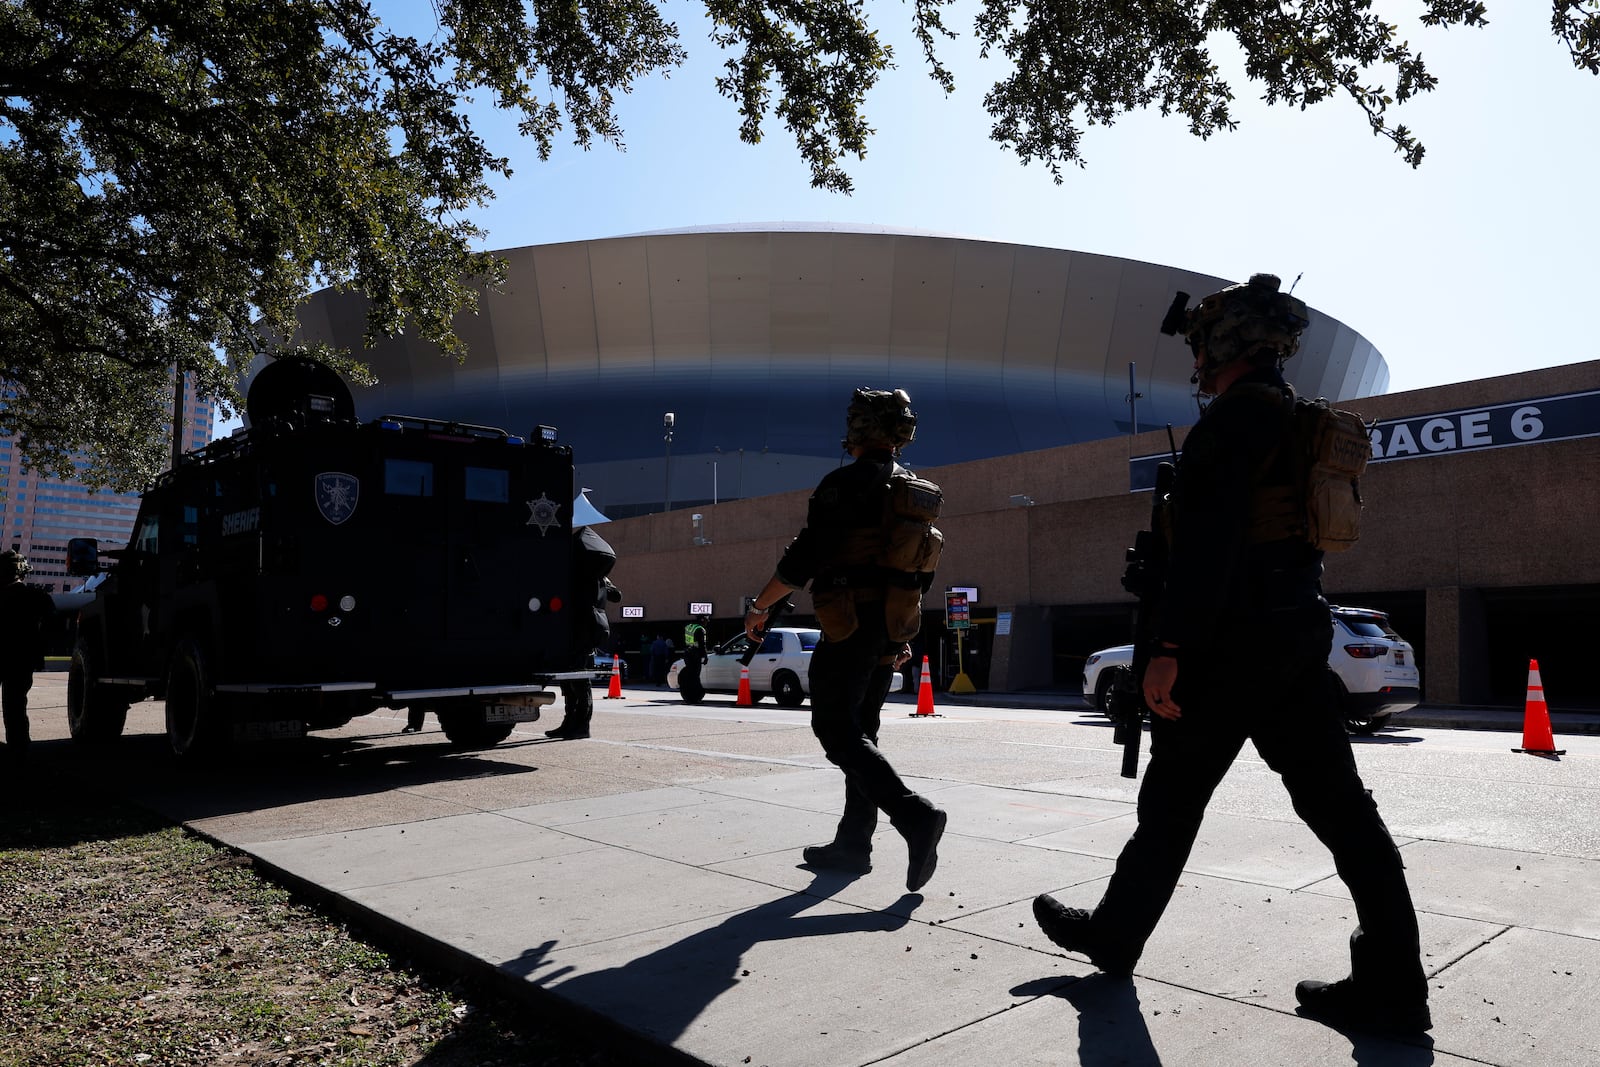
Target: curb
[1445, 717]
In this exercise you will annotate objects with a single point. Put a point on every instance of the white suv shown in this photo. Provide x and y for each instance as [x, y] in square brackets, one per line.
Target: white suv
[1376, 668]
[781, 667]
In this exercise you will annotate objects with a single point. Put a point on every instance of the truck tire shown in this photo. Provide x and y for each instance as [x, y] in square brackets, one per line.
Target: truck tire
[786, 690]
[193, 729]
[465, 728]
[94, 715]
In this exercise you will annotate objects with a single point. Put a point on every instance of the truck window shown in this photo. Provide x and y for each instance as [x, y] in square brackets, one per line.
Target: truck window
[148, 536]
[487, 484]
[407, 477]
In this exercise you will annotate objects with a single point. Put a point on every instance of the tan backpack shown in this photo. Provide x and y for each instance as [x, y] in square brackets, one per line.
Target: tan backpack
[1327, 449]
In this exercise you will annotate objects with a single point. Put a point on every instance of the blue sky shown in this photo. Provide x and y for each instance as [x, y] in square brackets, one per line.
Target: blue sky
[1479, 263]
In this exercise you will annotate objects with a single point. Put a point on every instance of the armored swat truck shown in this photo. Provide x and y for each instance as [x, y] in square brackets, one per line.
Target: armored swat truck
[312, 568]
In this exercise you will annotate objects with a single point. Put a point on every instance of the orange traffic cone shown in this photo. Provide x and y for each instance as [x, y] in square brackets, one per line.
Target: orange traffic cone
[614, 690]
[925, 693]
[1536, 737]
[744, 700]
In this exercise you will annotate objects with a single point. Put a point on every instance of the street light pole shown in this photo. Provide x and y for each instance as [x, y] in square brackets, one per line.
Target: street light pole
[667, 422]
[1133, 400]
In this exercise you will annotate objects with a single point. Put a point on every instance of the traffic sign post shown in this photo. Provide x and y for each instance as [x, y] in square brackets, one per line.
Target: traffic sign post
[958, 617]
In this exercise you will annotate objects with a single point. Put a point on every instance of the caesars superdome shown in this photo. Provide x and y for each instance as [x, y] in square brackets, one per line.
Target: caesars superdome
[753, 338]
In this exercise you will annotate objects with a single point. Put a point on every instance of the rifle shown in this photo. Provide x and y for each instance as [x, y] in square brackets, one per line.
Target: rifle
[1144, 577]
[774, 613]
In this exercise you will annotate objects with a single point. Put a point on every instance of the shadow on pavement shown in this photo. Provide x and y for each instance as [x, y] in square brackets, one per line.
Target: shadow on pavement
[276, 774]
[1375, 1050]
[666, 990]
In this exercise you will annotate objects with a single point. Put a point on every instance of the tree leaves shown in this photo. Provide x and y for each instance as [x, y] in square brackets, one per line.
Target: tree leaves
[176, 176]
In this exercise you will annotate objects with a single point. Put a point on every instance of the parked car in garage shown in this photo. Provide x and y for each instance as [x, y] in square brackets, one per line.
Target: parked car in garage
[1375, 666]
[781, 667]
[603, 664]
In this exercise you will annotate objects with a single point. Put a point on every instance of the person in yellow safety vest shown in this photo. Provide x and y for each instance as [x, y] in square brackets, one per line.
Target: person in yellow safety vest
[694, 640]
[695, 647]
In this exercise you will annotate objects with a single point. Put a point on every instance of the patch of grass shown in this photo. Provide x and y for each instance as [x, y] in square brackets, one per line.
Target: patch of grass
[126, 940]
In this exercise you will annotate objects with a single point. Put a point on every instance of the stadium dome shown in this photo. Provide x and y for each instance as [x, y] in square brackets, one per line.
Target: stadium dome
[754, 337]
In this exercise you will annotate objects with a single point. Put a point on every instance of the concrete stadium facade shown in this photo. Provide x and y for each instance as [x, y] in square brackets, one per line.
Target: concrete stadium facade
[1481, 496]
[1477, 538]
[754, 339]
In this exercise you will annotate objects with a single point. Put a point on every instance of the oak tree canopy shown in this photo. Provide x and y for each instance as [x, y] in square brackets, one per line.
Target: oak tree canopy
[175, 176]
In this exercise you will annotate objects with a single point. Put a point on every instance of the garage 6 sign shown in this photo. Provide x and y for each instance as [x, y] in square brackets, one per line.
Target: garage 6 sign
[1524, 422]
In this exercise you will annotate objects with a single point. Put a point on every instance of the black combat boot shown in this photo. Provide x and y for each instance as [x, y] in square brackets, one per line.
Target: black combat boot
[922, 848]
[839, 856]
[1073, 930]
[1344, 1005]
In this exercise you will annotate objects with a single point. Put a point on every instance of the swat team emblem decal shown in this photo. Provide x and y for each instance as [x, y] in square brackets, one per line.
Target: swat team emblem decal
[543, 513]
[337, 494]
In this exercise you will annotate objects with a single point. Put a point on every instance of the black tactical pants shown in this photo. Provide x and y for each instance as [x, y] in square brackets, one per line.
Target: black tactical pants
[14, 686]
[849, 684]
[577, 700]
[1283, 701]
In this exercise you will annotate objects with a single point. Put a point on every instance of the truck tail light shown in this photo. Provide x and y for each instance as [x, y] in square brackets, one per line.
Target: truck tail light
[319, 603]
[1366, 651]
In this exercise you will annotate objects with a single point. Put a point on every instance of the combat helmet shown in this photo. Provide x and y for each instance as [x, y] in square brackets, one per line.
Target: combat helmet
[879, 417]
[1250, 321]
[14, 566]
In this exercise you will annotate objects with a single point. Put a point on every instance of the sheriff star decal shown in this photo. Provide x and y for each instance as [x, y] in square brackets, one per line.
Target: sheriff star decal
[543, 513]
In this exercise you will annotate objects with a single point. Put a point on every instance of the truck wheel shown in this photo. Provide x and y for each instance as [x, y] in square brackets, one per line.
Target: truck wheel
[465, 728]
[192, 727]
[786, 690]
[94, 716]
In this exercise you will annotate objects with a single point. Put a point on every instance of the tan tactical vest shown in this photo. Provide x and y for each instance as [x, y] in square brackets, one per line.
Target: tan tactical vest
[891, 562]
[1309, 489]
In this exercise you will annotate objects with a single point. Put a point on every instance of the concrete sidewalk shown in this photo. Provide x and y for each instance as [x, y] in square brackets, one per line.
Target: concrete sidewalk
[649, 876]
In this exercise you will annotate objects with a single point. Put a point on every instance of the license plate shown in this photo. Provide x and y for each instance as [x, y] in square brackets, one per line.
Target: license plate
[269, 731]
[511, 713]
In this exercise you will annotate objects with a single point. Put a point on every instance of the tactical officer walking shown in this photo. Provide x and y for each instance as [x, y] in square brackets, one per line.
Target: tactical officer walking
[868, 549]
[1234, 568]
[24, 609]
